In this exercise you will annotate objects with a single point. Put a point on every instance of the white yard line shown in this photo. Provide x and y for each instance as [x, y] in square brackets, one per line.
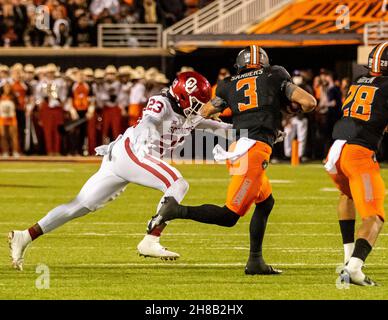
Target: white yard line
[175, 223]
[210, 234]
[37, 170]
[184, 265]
[329, 190]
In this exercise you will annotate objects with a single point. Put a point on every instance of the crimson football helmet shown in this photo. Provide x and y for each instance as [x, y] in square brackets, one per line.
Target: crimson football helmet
[191, 90]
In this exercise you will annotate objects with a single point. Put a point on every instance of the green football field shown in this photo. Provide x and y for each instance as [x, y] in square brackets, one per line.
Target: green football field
[95, 257]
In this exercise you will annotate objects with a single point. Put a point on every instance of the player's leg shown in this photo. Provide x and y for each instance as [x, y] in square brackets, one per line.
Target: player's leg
[243, 189]
[368, 191]
[346, 212]
[153, 173]
[301, 129]
[347, 221]
[257, 227]
[290, 132]
[102, 187]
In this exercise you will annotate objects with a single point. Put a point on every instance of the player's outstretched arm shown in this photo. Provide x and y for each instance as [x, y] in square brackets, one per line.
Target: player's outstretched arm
[301, 97]
[212, 107]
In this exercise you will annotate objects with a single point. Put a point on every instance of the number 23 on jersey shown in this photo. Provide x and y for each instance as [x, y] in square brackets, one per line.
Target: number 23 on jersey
[358, 103]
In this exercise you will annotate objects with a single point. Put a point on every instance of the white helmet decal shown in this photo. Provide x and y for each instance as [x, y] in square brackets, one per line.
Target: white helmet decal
[191, 85]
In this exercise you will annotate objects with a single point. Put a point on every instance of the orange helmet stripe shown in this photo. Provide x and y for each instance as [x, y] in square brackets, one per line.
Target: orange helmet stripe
[255, 55]
[376, 61]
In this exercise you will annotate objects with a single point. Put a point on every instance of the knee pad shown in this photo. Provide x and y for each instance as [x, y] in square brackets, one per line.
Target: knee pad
[230, 217]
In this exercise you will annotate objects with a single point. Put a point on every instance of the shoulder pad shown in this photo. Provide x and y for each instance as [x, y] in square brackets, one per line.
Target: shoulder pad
[281, 71]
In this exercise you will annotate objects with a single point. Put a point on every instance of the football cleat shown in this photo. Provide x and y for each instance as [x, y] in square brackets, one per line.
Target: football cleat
[258, 266]
[357, 278]
[151, 247]
[18, 242]
[167, 211]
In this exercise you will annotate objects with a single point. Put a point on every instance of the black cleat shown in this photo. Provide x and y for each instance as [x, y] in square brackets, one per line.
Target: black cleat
[258, 266]
[168, 211]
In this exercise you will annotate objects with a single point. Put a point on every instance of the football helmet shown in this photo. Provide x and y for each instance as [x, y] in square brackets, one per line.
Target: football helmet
[191, 91]
[251, 57]
[378, 59]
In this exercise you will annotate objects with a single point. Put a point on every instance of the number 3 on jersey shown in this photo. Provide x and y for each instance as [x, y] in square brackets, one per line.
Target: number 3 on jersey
[250, 92]
[358, 103]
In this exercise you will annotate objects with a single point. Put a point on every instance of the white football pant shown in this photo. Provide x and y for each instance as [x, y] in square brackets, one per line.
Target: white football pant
[112, 178]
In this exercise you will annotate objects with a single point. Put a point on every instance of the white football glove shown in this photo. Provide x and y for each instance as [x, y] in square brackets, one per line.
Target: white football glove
[280, 136]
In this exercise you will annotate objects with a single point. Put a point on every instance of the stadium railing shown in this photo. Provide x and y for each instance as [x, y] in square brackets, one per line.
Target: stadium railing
[375, 32]
[223, 16]
[129, 35]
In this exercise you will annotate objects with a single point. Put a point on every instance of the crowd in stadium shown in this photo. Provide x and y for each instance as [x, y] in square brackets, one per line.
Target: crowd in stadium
[74, 22]
[45, 111]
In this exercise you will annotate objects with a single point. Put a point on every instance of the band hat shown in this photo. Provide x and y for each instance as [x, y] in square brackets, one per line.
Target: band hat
[51, 67]
[17, 66]
[125, 70]
[161, 78]
[99, 73]
[4, 68]
[111, 69]
[88, 72]
[29, 68]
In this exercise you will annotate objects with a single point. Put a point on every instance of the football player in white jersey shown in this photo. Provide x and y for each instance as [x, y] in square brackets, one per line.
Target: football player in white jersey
[128, 160]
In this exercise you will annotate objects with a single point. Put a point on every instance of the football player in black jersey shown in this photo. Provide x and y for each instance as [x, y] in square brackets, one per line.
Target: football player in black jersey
[353, 167]
[256, 96]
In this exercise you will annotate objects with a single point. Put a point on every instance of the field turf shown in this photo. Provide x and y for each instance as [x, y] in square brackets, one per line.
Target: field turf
[95, 257]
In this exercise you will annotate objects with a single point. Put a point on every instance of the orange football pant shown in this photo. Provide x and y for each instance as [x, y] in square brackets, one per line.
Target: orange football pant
[358, 177]
[249, 183]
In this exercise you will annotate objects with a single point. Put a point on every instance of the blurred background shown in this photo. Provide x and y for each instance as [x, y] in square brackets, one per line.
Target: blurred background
[75, 74]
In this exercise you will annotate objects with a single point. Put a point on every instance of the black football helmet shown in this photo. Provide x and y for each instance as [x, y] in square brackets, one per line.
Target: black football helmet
[378, 59]
[252, 57]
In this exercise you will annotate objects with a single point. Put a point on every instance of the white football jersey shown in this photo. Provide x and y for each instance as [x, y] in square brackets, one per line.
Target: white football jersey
[171, 126]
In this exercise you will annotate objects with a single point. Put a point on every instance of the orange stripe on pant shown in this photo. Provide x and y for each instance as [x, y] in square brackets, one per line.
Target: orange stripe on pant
[359, 178]
[249, 183]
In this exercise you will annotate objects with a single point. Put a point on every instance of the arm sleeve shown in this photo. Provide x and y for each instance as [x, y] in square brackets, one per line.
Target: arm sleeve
[214, 125]
[221, 95]
[284, 80]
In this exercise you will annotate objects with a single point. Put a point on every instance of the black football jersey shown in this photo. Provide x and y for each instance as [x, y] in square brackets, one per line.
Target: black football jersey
[365, 113]
[256, 98]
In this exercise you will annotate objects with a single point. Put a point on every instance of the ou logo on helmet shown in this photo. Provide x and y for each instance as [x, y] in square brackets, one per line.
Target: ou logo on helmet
[191, 85]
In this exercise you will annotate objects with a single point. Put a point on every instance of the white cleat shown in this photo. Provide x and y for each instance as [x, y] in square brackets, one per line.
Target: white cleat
[357, 277]
[151, 247]
[18, 242]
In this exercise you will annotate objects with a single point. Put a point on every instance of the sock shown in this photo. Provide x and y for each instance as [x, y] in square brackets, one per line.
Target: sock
[360, 253]
[258, 225]
[35, 231]
[348, 251]
[361, 249]
[158, 230]
[347, 231]
[210, 214]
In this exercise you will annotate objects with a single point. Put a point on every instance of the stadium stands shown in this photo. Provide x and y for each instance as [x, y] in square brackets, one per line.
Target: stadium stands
[59, 23]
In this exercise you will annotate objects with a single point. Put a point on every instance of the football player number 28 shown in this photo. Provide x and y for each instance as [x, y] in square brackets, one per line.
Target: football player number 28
[358, 103]
[250, 91]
